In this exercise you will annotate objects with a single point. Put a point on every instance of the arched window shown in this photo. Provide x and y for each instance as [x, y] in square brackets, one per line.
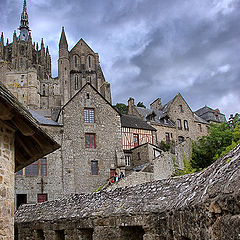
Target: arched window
[44, 90]
[75, 61]
[21, 63]
[89, 62]
[185, 122]
[76, 82]
[22, 50]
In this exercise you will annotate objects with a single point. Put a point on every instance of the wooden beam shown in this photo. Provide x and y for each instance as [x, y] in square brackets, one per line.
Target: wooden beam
[23, 127]
[5, 112]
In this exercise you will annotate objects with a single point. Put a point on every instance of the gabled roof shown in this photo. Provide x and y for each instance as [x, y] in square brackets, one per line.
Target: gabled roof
[199, 119]
[94, 89]
[31, 141]
[209, 114]
[81, 40]
[132, 121]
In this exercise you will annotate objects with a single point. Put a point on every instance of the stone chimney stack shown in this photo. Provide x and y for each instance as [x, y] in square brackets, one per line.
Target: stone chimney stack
[156, 105]
[130, 106]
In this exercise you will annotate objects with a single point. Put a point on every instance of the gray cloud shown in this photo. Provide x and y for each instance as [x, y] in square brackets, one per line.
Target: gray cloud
[148, 48]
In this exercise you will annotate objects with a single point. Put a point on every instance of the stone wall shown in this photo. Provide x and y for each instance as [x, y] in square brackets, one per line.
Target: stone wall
[52, 183]
[203, 205]
[7, 168]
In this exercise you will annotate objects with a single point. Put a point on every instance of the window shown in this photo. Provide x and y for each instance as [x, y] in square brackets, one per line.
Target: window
[32, 169]
[42, 198]
[43, 163]
[94, 167]
[87, 96]
[89, 61]
[76, 82]
[75, 61]
[179, 124]
[180, 139]
[22, 76]
[90, 140]
[185, 123]
[89, 115]
[89, 79]
[22, 50]
[44, 90]
[112, 172]
[127, 160]
[200, 127]
[167, 138]
[21, 63]
[180, 108]
[135, 140]
[19, 172]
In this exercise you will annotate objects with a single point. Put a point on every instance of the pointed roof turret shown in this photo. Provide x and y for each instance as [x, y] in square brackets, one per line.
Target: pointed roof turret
[24, 24]
[63, 40]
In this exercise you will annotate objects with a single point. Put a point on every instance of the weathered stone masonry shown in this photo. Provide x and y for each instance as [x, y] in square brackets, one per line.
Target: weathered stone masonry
[7, 166]
[204, 205]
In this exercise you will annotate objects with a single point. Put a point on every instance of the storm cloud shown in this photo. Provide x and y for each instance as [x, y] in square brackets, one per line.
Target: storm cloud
[147, 48]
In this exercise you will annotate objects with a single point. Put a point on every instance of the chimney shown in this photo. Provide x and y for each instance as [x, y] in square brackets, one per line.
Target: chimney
[156, 105]
[130, 106]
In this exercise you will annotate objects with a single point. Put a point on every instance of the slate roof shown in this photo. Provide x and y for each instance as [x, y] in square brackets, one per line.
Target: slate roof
[209, 114]
[43, 120]
[199, 119]
[159, 115]
[132, 121]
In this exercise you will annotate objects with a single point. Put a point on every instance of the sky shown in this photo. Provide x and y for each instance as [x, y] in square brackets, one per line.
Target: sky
[147, 48]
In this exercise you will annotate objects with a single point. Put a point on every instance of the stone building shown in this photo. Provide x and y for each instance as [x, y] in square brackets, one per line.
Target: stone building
[175, 121]
[89, 132]
[22, 142]
[203, 205]
[25, 68]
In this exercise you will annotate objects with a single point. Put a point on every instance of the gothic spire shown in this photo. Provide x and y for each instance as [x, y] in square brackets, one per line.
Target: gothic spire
[63, 40]
[24, 24]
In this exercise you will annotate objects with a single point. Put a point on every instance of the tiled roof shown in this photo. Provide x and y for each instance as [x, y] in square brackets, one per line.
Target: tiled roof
[43, 120]
[132, 121]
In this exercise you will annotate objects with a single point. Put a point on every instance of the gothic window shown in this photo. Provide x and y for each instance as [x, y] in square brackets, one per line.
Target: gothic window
[75, 61]
[94, 167]
[185, 123]
[89, 62]
[179, 124]
[89, 115]
[22, 50]
[76, 82]
[90, 140]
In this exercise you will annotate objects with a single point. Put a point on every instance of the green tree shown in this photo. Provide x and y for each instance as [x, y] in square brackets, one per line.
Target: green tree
[221, 139]
[122, 108]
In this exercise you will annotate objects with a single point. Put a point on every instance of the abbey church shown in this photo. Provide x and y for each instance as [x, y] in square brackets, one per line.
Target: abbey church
[75, 108]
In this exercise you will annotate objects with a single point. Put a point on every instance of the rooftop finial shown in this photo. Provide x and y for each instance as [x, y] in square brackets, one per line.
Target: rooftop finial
[24, 25]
